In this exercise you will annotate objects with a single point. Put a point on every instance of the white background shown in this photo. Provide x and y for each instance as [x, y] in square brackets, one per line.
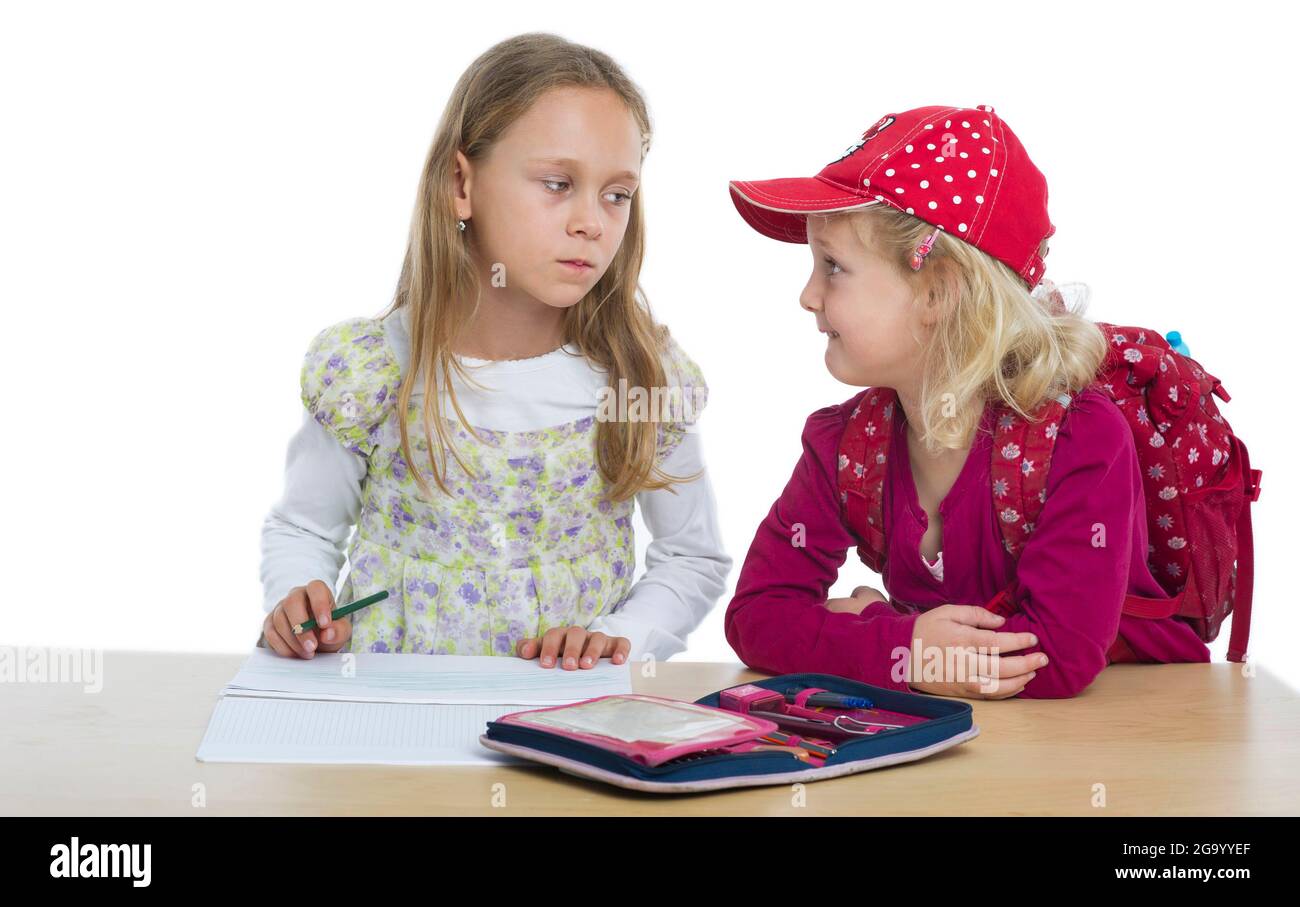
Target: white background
[189, 192]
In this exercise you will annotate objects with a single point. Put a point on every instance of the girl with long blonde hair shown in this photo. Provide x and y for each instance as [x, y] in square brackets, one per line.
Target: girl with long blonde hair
[478, 433]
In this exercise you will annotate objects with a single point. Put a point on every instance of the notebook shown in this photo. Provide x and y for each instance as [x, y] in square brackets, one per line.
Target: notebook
[370, 708]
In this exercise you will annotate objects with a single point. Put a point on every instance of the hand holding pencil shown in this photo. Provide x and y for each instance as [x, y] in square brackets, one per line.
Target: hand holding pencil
[302, 623]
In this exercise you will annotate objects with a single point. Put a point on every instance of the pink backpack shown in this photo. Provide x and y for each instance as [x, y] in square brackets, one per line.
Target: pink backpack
[1197, 481]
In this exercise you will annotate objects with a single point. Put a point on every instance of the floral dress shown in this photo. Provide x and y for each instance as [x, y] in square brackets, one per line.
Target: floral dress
[522, 545]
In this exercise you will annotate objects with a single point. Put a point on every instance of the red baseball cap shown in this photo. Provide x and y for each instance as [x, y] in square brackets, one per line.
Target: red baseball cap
[960, 169]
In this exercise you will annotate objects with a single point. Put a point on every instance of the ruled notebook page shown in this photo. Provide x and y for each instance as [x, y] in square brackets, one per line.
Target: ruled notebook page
[482, 679]
[248, 729]
[386, 709]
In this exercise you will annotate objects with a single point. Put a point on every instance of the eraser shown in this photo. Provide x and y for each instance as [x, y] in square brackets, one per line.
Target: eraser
[746, 697]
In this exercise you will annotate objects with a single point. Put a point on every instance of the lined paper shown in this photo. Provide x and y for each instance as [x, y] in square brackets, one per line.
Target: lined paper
[248, 729]
[483, 679]
[378, 709]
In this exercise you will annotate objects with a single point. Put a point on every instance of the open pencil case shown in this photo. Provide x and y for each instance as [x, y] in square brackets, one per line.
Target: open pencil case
[779, 730]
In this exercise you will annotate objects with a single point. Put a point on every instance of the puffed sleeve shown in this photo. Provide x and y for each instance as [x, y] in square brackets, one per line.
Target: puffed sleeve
[687, 395]
[350, 379]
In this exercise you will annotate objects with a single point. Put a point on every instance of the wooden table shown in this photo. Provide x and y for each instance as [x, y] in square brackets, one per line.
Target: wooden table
[1187, 739]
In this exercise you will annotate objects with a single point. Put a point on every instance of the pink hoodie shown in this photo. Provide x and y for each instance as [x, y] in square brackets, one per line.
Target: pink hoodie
[1069, 592]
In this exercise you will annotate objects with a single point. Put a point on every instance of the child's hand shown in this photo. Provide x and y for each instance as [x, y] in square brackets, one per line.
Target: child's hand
[314, 600]
[861, 597]
[986, 676]
[580, 647]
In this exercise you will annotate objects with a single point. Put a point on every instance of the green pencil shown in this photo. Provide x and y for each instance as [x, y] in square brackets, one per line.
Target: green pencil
[342, 612]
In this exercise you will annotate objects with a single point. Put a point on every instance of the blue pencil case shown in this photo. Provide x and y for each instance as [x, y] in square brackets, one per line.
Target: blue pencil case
[779, 730]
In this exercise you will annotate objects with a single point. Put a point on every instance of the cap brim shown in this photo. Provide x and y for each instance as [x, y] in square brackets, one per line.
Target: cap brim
[778, 208]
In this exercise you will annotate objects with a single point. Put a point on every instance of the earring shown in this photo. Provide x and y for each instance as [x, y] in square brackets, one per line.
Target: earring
[927, 244]
[460, 225]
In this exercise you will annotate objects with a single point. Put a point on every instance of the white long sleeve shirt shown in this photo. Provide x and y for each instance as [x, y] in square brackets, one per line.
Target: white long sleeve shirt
[304, 536]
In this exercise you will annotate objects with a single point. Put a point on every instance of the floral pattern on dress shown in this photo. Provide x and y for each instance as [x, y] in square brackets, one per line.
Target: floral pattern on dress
[348, 376]
[523, 543]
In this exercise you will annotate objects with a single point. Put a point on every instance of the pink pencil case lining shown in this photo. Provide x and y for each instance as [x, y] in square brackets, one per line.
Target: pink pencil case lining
[648, 729]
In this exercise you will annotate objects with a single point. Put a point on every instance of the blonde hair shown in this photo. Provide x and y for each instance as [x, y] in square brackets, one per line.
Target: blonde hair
[994, 342]
[611, 326]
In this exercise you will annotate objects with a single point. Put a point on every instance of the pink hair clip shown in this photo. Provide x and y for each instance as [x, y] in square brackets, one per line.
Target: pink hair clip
[927, 244]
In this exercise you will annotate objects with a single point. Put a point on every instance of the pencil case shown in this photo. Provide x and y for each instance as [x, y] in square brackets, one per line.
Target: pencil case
[663, 745]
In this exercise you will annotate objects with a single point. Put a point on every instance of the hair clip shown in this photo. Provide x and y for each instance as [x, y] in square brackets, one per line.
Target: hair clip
[927, 244]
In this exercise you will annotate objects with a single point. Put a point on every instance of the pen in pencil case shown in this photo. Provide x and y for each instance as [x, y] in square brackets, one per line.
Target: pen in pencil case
[800, 742]
[832, 700]
[342, 612]
[798, 752]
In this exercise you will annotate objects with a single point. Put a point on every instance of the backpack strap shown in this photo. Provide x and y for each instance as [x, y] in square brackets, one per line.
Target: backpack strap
[1245, 558]
[1022, 453]
[860, 472]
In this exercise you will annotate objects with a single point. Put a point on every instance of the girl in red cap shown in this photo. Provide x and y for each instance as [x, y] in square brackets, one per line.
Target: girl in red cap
[928, 238]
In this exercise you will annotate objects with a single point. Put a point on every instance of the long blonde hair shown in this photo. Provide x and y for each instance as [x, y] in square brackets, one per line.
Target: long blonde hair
[611, 326]
[994, 341]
